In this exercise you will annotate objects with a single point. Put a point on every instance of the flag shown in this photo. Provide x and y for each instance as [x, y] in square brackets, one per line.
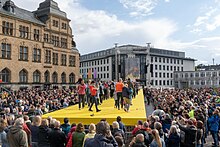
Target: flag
[84, 74]
[89, 74]
[95, 73]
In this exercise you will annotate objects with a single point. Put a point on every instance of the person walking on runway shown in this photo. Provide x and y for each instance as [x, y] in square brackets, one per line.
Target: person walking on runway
[82, 93]
[119, 85]
[93, 91]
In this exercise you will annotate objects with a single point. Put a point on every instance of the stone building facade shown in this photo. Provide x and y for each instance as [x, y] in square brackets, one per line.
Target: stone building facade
[37, 48]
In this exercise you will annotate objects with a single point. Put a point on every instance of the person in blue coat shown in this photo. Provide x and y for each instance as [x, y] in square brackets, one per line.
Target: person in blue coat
[214, 126]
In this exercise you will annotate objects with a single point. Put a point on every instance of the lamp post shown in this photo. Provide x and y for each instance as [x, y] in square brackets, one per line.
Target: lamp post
[116, 62]
[148, 65]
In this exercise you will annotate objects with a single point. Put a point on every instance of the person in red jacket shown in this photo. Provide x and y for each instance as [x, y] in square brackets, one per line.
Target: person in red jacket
[93, 91]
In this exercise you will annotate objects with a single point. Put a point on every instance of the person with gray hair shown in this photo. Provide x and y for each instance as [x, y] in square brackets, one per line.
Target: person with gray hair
[17, 136]
[103, 137]
[116, 131]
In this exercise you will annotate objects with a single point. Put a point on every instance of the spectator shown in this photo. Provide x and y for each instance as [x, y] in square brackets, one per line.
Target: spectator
[116, 130]
[91, 134]
[173, 138]
[66, 126]
[56, 136]
[16, 136]
[214, 126]
[120, 141]
[34, 128]
[199, 133]
[121, 125]
[103, 137]
[158, 126]
[44, 132]
[78, 136]
[157, 142]
[139, 141]
[3, 138]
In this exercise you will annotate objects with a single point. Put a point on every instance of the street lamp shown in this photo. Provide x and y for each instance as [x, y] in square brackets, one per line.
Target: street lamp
[148, 65]
[116, 62]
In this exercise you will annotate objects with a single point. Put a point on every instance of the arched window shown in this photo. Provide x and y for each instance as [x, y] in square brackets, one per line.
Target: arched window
[36, 76]
[23, 76]
[63, 77]
[47, 77]
[72, 78]
[5, 75]
[54, 77]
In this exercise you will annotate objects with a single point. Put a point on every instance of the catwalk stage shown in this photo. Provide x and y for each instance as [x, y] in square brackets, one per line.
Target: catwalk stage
[137, 112]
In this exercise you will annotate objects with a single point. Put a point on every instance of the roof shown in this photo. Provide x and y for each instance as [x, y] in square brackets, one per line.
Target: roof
[21, 14]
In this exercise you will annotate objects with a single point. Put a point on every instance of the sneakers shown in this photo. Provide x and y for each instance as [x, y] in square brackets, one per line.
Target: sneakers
[98, 110]
[90, 110]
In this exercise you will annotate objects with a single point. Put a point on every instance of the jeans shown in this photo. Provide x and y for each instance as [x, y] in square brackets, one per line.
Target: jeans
[215, 137]
[88, 99]
[94, 100]
[119, 100]
[81, 100]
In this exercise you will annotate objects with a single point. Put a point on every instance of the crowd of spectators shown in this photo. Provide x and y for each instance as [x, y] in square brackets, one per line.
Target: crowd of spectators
[181, 118]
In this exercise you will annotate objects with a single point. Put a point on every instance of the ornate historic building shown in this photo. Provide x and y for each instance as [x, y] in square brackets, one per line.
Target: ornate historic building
[37, 48]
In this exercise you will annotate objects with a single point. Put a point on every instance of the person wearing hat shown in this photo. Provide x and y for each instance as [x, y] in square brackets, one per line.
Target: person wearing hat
[93, 91]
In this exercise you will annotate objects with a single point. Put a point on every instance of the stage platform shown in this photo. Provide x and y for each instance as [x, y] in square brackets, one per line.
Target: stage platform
[137, 112]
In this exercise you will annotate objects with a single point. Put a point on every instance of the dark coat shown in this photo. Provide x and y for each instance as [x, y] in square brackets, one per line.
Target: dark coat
[116, 130]
[34, 133]
[100, 141]
[190, 135]
[17, 137]
[125, 92]
[57, 138]
[44, 136]
[173, 140]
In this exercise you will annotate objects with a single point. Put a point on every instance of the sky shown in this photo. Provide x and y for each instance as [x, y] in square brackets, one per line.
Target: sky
[192, 26]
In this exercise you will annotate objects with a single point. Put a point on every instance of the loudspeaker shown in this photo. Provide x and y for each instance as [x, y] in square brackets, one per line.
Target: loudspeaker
[119, 68]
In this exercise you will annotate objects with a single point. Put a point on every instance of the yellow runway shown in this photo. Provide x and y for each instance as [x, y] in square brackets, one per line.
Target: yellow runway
[137, 112]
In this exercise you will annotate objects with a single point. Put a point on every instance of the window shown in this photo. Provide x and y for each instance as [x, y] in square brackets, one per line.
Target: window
[181, 68]
[24, 31]
[5, 75]
[155, 67]
[107, 68]
[36, 55]
[63, 77]
[55, 23]
[164, 60]
[160, 75]
[178, 61]
[72, 78]
[167, 60]
[63, 42]
[55, 58]
[48, 56]
[47, 77]
[159, 59]
[168, 82]
[55, 77]
[156, 83]
[152, 59]
[160, 82]
[63, 59]
[164, 75]
[182, 62]
[171, 68]
[104, 68]
[7, 28]
[171, 60]
[23, 55]
[6, 51]
[36, 34]
[174, 61]
[159, 67]
[46, 37]
[155, 59]
[55, 40]
[168, 68]
[164, 67]
[72, 61]
[168, 75]
[164, 82]
[178, 68]
[174, 68]
[23, 76]
[36, 76]
[155, 74]
[64, 26]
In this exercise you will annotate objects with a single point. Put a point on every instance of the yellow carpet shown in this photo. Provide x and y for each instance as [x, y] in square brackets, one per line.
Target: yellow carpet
[137, 112]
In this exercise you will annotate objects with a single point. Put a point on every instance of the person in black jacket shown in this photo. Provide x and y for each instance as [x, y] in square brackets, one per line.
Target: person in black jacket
[103, 137]
[44, 132]
[173, 139]
[57, 137]
[190, 134]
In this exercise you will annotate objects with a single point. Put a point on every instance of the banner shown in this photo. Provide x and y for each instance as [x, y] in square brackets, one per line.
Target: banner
[132, 68]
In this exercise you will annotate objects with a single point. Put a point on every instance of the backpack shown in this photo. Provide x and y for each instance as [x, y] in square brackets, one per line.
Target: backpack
[147, 140]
